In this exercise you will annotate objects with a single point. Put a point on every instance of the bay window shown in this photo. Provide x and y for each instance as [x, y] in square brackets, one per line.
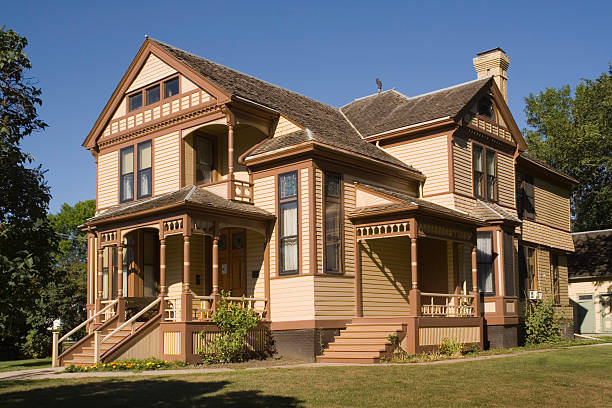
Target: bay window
[288, 223]
[333, 224]
[484, 258]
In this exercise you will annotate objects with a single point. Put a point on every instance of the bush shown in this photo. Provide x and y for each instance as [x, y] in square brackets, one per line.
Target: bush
[123, 365]
[450, 347]
[540, 324]
[234, 322]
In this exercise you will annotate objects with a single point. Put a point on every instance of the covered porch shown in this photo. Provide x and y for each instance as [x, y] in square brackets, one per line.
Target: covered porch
[417, 266]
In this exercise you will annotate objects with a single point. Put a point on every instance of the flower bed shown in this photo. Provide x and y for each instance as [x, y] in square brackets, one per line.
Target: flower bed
[122, 365]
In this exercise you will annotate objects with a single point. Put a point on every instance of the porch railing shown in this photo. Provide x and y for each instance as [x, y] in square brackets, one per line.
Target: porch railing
[203, 307]
[108, 312]
[102, 312]
[447, 305]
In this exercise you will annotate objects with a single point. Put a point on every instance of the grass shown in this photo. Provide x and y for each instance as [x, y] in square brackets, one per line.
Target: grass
[17, 365]
[561, 378]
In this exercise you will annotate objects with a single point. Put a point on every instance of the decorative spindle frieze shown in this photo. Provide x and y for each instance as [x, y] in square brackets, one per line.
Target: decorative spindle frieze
[383, 230]
[173, 226]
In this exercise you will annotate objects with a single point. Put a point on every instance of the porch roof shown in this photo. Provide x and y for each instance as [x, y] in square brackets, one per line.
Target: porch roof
[188, 195]
[405, 202]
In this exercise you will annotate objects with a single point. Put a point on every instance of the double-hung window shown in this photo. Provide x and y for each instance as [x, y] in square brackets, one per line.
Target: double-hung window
[145, 173]
[127, 174]
[204, 160]
[484, 258]
[485, 173]
[143, 178]
[288, 223]
[153, 94]
[333, 223]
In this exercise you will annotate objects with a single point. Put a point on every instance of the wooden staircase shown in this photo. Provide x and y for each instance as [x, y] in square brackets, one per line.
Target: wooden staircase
[362, 342]
[82, 353]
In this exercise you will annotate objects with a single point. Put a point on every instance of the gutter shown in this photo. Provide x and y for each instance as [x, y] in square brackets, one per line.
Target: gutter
[416, 125]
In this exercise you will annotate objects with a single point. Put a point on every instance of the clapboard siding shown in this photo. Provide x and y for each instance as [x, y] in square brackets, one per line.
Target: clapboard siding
[153, 70]
[544, 281]
[462, 165]
[505, 180]
[108, 179]
[304, 192]
[174, 259]
[429, 156]
[349, 230]
[319, 217]
[552, 204]
[292, 298]
[285, 126]
[385, 266]
[264, 197]
[334, 297]
[255, 262]
[536, 233]
[197, 260]
[166, 162]
[365, 198]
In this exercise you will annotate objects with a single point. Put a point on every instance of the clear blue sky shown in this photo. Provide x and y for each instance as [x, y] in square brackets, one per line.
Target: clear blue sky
[329, 50]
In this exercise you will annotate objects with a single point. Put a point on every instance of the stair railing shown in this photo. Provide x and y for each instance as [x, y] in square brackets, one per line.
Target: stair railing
[57, 341]
[98, 340]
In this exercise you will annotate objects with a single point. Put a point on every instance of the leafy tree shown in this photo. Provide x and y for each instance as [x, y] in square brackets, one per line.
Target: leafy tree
[26, 238]
[574, 134]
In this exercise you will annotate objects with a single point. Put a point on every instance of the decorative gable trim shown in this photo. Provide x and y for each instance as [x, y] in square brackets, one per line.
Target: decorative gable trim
[148, 49]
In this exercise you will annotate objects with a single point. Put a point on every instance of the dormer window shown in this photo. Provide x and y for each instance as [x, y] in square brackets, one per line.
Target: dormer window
[485, 107]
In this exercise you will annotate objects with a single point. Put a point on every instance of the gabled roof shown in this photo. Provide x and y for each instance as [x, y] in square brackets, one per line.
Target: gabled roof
[593, 255]
[326, 123]
[187, 195]
[391, 110]
[542, 164]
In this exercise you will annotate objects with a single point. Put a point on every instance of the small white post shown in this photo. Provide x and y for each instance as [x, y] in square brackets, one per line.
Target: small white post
[96, 347]
[55, 349]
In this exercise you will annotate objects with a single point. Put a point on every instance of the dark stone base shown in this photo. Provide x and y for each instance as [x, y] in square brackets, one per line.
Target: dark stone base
[500, 336]
[567, 330]
[303, 344]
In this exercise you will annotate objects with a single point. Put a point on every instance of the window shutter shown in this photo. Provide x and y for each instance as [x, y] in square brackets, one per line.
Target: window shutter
[529, 203]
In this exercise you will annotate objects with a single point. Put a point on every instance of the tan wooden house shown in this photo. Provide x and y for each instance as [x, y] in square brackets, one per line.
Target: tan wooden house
[339, 226]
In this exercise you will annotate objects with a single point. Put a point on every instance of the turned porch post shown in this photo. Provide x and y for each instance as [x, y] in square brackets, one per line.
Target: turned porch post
[358, 291]
[475, 291]
[215, 270]
[163, 290]
[186, 297]
[119, 270]
[100, 291]
[415, 293]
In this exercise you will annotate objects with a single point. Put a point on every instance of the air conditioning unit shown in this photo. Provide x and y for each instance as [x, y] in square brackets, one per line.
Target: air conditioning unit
[535, 295]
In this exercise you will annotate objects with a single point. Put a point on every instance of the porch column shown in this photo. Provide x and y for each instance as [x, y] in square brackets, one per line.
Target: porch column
[119, 270]
[358, 293]
[186, 298]
[475, 291]
[415, 293]
[163, 290]
[230, 161]
[267, 272]
[100, 292]
[215, 270]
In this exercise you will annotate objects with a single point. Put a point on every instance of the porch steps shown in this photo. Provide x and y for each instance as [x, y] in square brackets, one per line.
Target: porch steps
[84, 355]
[361, 343]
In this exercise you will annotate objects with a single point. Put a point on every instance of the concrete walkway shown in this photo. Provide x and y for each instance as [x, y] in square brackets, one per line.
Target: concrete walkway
[58, 373]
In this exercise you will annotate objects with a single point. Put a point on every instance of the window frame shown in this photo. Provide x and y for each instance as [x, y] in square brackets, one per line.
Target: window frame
[336, 200]
[135, 172]
[280, 203]
[138, 170]
[143, 93]
[121, 175]
[214, 165]
[491, 263]
[484, 195]
[526, 195]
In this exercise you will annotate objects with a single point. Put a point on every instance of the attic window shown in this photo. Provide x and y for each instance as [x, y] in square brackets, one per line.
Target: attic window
[485, 107]
[153, 94]
[135, 101]
[171, 87]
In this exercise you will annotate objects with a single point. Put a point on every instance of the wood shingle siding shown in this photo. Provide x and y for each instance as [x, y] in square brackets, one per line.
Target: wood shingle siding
[552, 204]
[505, 180]
[264, 197]
[166, 171]
[536, 233]
[292, 298]
[108, 179]
[385, 265]
[462, 161]
[430, 156]
[334, 297]
[153, 70]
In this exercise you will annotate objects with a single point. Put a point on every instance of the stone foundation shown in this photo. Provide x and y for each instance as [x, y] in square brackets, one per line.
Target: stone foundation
[302, 344]
[501, 336]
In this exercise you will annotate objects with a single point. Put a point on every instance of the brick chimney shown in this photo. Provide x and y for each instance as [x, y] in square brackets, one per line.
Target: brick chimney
[494, 63]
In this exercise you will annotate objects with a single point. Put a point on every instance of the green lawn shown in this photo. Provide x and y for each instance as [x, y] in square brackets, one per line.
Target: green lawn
[559, 378]
[25, 364]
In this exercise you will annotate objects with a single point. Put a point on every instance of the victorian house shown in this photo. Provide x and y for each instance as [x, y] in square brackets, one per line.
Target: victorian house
[419, 216]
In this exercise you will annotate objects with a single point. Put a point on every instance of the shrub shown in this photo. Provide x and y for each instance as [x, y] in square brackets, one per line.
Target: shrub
[123, 365]
[450, 347]
[234, 322]
[540, 324]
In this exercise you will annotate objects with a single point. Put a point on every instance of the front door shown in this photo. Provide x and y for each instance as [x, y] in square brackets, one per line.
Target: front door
[232, 261]
[586, 313]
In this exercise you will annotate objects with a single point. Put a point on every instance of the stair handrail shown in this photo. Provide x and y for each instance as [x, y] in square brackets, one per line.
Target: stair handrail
[56, 341]
[132, 319]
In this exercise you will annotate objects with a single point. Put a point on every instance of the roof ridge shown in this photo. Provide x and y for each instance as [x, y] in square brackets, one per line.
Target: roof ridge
[242, 73]
[592, 231]
[370, 96]
[449, 87]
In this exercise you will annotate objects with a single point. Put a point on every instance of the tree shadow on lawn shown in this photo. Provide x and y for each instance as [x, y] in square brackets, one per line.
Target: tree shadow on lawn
[148, 393]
